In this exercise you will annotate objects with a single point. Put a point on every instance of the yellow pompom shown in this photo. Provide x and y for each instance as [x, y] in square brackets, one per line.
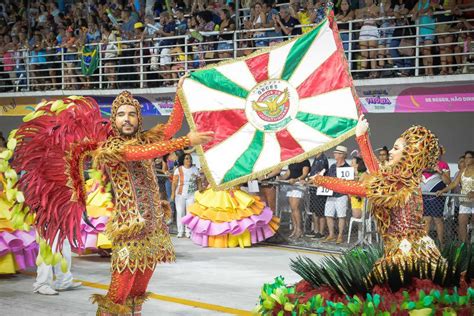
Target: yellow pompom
[12, 133]
[20, 198]
[41, 104]
[17, 222]
[57, 105]
[16, 209]
[33, 115]
[47, 255]
[28, 117]
[11, 174]
[11, 144]
[3, 165]
[30, 219]
[64, 266]
[11, 194]
[11, 183]
[6, 154]
[48, 259]
[39, 260]
[94, 174]
[56, 258]
[42, 245]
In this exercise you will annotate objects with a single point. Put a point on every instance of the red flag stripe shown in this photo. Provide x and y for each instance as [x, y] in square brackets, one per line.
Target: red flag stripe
[223, 123]
[331, 75]
[258, 66]
[289, 146]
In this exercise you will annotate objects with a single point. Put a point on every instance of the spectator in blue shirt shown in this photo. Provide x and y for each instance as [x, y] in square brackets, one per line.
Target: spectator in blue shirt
[181, 22]
[129, 19]
[93, 33]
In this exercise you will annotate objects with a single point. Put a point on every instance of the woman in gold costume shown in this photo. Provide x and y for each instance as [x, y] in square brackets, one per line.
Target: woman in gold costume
[395, 196]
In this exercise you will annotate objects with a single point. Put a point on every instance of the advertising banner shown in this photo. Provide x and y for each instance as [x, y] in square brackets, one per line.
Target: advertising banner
[403, 99]
[152, 104]
[390, 99]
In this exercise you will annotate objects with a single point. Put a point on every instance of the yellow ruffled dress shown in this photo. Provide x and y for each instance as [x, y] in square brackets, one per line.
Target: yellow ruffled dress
[99, 209]
[18, 248]
[229, 218]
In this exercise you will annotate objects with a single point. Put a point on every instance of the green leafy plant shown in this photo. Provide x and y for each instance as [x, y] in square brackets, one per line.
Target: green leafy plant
[278, 299]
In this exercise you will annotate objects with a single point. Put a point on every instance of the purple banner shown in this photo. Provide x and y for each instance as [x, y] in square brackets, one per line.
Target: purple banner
[439, 99]
[399, 99]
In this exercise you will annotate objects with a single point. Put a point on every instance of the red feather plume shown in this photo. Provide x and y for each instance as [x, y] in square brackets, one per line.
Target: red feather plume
[50, 153]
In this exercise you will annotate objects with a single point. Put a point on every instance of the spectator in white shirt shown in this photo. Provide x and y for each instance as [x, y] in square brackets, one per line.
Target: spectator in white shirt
[186, 181]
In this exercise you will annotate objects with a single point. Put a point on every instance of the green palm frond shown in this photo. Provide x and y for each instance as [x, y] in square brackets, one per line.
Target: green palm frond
[350, 273]
[344, 274]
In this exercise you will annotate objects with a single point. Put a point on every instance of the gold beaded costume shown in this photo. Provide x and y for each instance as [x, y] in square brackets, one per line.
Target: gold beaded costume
[137, 228]
[396, 203]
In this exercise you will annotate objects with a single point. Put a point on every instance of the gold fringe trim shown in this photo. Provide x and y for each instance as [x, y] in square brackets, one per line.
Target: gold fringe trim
[423, 268]
[166, 208]
[119, 265]
[115, 233]
[154, 135]
[109, 153]
[138, 300]
[106, 305]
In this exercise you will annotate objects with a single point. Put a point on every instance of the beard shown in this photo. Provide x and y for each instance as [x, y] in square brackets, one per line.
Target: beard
[128, 130]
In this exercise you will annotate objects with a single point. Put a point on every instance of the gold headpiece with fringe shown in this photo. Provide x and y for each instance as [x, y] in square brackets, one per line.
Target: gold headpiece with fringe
[421, 149]
[125, 97]
[393, 184]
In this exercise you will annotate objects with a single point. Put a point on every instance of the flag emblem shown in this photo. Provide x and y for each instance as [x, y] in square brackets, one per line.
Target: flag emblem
[271, 105]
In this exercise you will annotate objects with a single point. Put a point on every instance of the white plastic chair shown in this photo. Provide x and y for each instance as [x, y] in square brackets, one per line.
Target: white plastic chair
[368, 226]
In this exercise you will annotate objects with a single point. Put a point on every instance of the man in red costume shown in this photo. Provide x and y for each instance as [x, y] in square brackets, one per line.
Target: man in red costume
[138, 228]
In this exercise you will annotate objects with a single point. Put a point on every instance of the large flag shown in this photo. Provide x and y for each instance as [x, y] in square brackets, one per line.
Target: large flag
[89, 60]
[272, 108]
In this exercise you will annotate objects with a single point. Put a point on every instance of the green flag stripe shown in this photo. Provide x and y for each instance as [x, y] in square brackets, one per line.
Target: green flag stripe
[298, 51]
[244, 165]
[216, 80]
[331, 126]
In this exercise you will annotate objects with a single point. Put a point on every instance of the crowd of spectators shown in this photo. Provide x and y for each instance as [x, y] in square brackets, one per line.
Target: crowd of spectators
[378, 45]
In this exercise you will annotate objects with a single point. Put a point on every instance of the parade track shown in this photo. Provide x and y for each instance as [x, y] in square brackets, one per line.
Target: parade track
[203, 281]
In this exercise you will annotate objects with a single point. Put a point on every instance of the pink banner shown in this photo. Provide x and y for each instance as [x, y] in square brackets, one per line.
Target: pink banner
[436, 99]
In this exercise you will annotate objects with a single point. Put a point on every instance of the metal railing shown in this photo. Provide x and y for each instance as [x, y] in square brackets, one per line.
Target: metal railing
[447, 220]
[150, 63]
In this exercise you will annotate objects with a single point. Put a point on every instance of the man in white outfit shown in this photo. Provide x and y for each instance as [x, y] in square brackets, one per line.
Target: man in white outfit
[44, 279]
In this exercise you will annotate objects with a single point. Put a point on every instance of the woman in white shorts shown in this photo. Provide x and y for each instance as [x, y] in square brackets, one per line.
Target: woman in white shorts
[369, 36]
[466, 208]
[296, 172]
